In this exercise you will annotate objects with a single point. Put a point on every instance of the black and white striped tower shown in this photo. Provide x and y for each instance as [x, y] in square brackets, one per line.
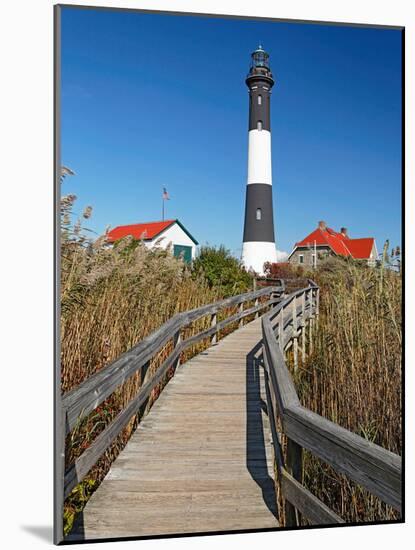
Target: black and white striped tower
[259, 241]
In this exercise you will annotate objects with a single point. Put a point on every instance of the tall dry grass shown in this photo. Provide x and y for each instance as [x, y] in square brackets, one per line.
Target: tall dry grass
[111, 298]
[353, 377]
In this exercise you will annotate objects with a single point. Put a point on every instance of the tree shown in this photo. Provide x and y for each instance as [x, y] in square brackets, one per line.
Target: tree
[222, 270]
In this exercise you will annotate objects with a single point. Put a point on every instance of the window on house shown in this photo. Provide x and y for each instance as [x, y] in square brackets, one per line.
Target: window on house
[301, 258]
[260, 100]
[258, 213]
[259, 125]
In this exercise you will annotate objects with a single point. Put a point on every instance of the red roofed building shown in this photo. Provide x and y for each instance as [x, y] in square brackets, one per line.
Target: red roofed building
[324, 241]
[164, 233]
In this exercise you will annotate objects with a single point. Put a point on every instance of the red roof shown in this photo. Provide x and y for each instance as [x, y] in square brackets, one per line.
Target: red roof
[339, 243]
[144, 231]
[361, 248]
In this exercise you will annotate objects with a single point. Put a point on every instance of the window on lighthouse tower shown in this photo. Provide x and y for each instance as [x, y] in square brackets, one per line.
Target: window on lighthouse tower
[258, 214]
[259, 125]
[260, 100]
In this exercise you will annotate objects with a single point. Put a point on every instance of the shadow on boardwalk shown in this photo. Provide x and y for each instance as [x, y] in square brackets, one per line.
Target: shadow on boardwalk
[256, 456]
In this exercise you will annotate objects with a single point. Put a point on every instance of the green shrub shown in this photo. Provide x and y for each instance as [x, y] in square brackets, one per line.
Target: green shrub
[222, 271]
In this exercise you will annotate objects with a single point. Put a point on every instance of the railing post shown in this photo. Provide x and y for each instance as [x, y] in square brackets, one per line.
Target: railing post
[303, 326]
[144, 372]
[214, 337]
[281, 329]
[240, 310]
[317, 306]
[256, 305]
[311, 321]
[177, 338]
[145, 375]
[295, 332]
[294, 465]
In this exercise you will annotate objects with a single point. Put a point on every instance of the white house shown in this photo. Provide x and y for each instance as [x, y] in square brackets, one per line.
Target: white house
[164, 233]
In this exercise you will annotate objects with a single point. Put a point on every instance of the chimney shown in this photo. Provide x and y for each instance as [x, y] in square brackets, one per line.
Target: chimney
[343, 231]
[322, 226]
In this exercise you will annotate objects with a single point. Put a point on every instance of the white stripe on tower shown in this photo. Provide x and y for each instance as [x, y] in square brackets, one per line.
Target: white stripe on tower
[259, 157]
[259, 241]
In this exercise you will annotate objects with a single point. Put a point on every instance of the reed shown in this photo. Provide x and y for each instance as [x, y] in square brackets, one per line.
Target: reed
[353, 376]
[111, 298]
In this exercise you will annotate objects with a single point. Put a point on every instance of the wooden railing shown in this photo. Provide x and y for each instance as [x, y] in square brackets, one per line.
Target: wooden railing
[79, 402]
[374, 468]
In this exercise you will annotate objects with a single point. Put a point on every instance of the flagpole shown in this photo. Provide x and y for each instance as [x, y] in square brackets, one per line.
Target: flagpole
[164, 197]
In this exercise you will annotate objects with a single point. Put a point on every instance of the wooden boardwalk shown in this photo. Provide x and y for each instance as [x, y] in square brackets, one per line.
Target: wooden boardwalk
[201, 460]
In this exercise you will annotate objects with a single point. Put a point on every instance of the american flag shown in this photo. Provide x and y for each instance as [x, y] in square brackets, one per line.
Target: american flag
[165, 195]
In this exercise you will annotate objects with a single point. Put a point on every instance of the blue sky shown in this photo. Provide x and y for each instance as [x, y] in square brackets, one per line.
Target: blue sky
[152, 101]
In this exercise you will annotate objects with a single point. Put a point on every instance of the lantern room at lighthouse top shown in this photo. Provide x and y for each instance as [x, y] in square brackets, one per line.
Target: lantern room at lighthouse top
[259, 68]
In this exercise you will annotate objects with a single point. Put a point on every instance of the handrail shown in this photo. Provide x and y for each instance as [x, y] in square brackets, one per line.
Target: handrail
[90, 393]
[375, 468]
[79, 402]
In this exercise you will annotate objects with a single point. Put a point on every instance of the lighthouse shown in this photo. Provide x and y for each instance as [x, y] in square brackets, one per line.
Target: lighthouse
[258, 240]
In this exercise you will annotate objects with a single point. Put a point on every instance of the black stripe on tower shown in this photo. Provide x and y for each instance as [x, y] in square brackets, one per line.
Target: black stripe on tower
[259, 220]
[259, 106]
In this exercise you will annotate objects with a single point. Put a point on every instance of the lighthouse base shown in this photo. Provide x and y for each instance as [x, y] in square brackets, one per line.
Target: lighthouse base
[256, 253]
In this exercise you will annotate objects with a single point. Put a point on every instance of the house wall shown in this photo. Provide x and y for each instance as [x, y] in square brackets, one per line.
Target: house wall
[308, 255]
[174, 235]
[321, 252]
[373, 256]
